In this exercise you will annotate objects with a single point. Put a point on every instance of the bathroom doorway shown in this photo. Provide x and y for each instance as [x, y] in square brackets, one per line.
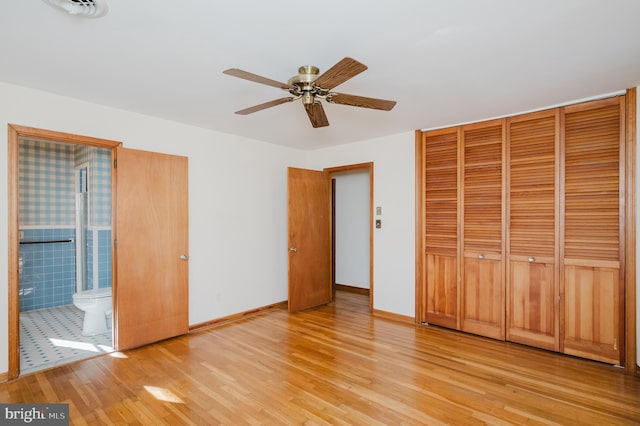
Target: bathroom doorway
[64, 204]
[139, 180]
[60, 237]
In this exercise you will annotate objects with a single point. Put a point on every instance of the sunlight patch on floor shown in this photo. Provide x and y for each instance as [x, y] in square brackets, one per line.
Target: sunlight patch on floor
[163, 394]
[80, 345]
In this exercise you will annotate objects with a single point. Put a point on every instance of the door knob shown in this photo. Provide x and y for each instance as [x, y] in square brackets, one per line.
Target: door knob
[184, 257]
[293, 249]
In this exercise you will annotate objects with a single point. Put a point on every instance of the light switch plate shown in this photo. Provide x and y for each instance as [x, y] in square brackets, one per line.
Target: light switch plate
[378, 211]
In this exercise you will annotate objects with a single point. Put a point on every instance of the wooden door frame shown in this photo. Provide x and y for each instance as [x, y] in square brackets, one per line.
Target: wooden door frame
[14, 133]
[369, 168]
[630, 320]
[630, 292]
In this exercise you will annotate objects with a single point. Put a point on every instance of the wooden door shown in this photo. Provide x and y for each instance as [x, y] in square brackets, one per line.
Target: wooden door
[482, 287]
[309, 193]
[440, 234]
[593, 210]
[151, 231]
[532, 241]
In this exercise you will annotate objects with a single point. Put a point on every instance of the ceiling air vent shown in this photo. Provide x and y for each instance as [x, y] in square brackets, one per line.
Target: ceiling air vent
[86, 8]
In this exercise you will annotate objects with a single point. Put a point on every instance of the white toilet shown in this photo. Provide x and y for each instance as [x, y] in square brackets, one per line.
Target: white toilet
[96, 304]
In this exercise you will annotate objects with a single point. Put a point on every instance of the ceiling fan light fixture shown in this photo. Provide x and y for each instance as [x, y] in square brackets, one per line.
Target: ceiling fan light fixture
[308, 98]
[84, 8]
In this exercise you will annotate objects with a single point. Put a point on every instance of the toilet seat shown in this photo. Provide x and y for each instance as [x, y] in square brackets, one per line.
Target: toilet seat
[96, 293]
[95, 304]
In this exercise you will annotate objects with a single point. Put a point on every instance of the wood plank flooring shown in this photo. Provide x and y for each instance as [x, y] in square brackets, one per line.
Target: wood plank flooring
[334, 365]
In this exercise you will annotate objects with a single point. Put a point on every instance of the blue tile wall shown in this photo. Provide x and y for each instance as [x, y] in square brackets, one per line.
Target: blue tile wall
[48, 275]
[104, 258]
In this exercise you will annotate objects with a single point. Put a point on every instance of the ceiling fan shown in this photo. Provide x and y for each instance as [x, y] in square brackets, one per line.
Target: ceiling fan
[310, 87]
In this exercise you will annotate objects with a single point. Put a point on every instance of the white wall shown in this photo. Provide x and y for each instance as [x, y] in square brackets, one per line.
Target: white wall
[237, 199]
[394, 190]
[237, 203]
[352, 228]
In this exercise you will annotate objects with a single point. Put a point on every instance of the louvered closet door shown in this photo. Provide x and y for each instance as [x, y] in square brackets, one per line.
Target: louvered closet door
[440, 210]
[592, 285]
[532, 290]
[482, 291]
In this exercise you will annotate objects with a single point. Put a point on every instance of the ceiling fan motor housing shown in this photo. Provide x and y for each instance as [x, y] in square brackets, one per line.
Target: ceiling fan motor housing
[303, 83]
[306, 74]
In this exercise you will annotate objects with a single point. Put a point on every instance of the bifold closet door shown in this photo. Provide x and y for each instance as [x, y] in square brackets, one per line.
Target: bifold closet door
[482, 284]
[593, 177]
[440, 233]
[532, 244]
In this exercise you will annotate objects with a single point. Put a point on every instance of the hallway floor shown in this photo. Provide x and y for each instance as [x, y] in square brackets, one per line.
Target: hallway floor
[51, 337]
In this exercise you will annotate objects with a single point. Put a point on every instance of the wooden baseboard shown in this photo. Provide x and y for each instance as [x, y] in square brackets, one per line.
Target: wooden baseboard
[395, 317]
[352, 289]
[4, 377]
[234, 317]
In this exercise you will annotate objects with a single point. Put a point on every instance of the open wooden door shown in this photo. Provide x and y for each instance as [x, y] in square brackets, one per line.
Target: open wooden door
[151, 249]
[309, 238]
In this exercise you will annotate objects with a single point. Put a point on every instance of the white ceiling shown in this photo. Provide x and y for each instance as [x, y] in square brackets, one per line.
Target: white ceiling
[444, 62]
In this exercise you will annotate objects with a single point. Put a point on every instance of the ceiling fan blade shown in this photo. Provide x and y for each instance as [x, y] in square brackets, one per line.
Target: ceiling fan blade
[339, 73]
[361, 101]
[265, 105]
[235, 72]
[316, 114]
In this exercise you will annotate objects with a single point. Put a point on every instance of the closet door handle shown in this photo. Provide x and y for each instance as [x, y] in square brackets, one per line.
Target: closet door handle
[481, 256]
[532, 259]
[184, 257]
[293, 249]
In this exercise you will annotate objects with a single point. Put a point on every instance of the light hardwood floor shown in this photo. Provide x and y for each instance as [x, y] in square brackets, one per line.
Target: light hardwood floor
[334, 365]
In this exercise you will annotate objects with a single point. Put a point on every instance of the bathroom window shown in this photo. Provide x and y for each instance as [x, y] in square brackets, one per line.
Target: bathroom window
[83, 181]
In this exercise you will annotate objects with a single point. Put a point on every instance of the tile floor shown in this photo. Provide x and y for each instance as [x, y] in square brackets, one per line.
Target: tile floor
[51, 337]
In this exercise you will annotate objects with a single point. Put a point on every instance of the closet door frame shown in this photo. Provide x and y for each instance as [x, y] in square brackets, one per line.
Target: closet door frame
[630, 291]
